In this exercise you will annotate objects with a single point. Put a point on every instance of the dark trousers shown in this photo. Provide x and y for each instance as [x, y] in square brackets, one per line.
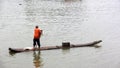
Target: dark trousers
[36, 41]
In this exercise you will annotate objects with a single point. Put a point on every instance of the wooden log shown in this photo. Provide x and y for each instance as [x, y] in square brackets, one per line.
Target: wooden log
[64, 45]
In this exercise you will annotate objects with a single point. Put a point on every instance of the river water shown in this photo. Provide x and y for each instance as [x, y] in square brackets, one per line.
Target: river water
[74, 21]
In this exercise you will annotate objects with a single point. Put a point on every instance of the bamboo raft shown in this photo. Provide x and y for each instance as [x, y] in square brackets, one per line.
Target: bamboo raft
[64, 45]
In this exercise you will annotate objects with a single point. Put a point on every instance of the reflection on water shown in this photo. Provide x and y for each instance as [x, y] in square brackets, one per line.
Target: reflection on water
[37, 59]
[12, 53]
[65, 50]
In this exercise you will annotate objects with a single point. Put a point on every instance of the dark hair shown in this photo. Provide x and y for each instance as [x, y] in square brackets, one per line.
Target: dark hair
[36, 26]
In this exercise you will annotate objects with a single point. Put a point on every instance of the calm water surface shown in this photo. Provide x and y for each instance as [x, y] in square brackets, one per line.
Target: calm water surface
[74, 21]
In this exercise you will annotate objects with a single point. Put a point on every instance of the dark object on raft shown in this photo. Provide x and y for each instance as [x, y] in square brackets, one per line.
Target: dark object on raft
[64, 45]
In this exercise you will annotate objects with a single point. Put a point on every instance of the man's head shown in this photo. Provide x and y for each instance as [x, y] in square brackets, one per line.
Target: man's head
[36, 26]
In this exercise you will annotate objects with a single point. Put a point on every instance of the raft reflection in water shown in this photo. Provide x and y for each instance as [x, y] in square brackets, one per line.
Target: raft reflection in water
[37, 60]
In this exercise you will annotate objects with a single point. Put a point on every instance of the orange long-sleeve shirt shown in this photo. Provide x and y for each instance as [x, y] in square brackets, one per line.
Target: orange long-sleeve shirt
[37, 33]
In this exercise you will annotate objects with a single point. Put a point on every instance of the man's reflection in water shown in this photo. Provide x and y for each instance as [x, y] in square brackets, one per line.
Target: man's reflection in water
[37, 59]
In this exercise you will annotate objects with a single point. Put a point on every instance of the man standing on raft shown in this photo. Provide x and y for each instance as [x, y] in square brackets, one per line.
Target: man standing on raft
[37, 35]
